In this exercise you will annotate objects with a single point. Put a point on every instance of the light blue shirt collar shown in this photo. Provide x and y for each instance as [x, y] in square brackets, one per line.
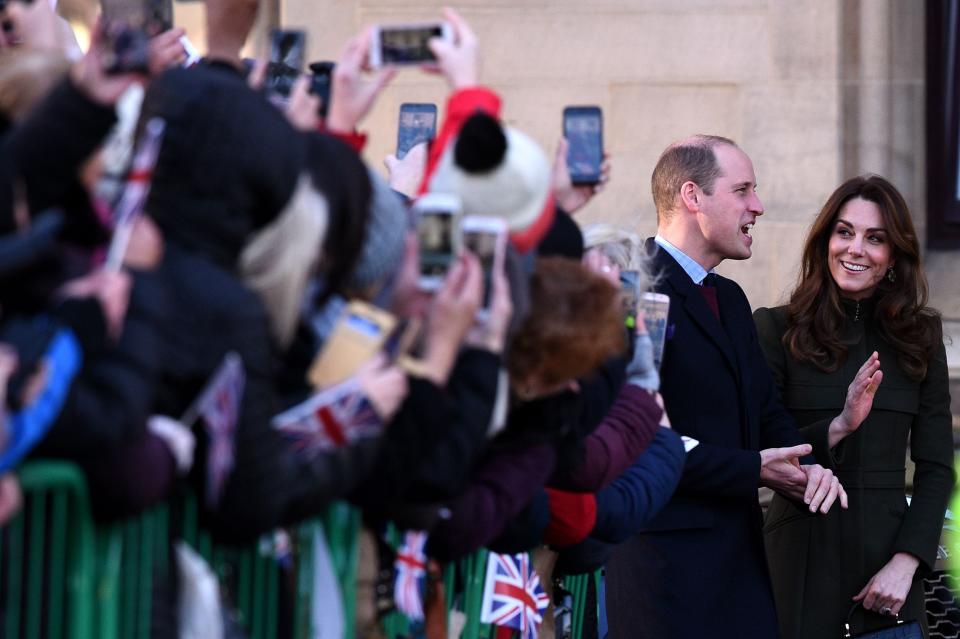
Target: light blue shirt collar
[687, 263]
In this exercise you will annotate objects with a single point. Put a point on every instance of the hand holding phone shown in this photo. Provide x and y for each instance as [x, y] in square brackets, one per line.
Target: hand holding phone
[357, 337]
[405, 44]
[436, 217]
[583, 130]
[485, 237]
[656, 310]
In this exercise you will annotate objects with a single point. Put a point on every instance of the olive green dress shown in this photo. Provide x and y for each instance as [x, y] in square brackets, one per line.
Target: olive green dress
[819, 562]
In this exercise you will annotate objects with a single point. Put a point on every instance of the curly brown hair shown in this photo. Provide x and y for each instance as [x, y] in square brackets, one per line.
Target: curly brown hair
[815, 314]
[574, 324]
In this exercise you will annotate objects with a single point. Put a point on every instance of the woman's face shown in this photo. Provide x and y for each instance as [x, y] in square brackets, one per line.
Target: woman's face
[859, 252]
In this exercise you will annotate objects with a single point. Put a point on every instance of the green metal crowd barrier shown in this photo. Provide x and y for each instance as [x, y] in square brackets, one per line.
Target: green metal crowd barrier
[63, 577]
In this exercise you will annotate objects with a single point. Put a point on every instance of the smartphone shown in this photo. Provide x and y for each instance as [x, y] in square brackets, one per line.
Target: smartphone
[418, 123]
[583, 129]
[485, 237]
[320, 78]
[406, 43]
[629, 295]
[127, 29]
[358, 335]
[436, 216]
[287, 50]
[656, 310]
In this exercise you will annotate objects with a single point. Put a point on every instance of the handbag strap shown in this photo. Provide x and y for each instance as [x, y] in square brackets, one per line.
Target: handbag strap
[846, 626]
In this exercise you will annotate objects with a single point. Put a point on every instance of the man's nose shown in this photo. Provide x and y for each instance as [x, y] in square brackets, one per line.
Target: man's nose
[754, 204]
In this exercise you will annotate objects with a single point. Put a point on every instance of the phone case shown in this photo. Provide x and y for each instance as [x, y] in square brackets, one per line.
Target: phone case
[358, 335]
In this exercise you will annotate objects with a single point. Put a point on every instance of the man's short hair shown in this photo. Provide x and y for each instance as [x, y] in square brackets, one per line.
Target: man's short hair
[689, 160]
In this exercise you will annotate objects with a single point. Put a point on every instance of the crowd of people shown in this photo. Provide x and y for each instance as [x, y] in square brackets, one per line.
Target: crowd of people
[160, 324]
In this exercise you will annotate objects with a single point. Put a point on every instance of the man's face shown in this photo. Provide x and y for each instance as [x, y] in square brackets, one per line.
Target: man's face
[727, 216]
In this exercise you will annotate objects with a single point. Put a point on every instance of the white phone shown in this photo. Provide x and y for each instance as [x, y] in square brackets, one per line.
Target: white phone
[485, 237]
[436, 217]
[406, 43]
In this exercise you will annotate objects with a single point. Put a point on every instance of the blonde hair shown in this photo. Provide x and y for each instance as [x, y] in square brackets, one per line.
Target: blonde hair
[623, 248]
[27, 76]
[278, 261]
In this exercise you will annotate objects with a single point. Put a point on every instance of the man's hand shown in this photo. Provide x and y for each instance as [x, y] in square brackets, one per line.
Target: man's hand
[780, 470]
[823, 488]
[859, 400]
[887, 590]
[303, 108]
[571, 198]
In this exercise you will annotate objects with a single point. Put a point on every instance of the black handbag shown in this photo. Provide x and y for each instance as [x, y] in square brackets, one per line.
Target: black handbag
[899, 629]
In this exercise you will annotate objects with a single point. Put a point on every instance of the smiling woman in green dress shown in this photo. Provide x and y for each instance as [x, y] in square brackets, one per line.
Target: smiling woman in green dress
[862, 295]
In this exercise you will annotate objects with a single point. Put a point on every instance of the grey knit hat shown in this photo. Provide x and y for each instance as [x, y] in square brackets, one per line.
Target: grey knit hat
[383, 242]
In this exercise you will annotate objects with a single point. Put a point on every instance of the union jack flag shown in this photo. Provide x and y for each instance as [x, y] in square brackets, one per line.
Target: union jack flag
[135, 191]
[330, 419]
[512, 596]
[219, 406]
[411, 568]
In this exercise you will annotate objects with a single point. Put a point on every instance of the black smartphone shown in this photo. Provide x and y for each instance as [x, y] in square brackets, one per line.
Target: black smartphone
[583, 129]
[127, 29]
[418, 123]
[287, 50]
[320, 78]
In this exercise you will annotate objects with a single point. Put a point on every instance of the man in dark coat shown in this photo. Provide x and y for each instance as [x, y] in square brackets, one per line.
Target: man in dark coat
[698, 569]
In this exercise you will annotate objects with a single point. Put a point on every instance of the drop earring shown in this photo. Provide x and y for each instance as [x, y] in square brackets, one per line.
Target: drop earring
[891, 274]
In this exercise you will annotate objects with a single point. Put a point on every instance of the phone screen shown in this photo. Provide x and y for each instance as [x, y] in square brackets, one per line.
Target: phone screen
[483, 244]
[583, 129]
[365, 326]
[287, 49]
[418, 123]
[435, 234]
[408, 45]
[127, 28]
[629, 293]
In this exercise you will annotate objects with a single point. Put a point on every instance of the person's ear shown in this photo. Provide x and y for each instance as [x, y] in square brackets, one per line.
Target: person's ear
[690, 196]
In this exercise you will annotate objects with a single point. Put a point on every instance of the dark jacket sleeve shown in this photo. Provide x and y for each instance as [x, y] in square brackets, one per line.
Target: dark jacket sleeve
[623, 434]
[503, 485]
[432, 443]
[931, 449]
[48, 147]
[635, 497]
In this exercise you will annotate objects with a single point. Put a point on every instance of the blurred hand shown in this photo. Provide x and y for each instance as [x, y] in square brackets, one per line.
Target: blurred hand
[408, 299]
[258, 74]
[405, 175]
[88, 74]
[602, 266]
[352, 95]
[640, 369]
[303, 108]
[571, 198]
[384, 385]
[8, 365]
[10, 498]
[452, 315]
[165, 51]
[145, 248]
[664, 419]
[112, 290]
[491, 333]
[458, 61]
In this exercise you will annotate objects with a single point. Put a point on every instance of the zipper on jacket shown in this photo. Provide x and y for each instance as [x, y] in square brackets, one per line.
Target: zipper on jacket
[856, 313]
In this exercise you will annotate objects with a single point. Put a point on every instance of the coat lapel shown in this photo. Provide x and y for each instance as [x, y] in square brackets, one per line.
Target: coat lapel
[684, 293]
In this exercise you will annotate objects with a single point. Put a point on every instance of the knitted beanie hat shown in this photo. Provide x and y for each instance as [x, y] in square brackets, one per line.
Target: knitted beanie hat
[384, 234]
[498, 171]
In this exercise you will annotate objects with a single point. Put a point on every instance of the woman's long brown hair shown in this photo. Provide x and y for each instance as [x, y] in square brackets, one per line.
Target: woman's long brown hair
[815, 314]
